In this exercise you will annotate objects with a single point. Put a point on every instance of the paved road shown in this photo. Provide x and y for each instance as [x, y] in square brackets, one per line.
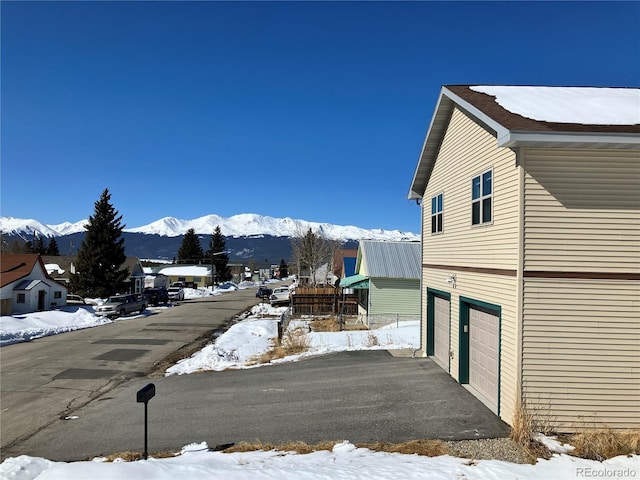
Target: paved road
[358, 396]
[48, 378]
[95, 374]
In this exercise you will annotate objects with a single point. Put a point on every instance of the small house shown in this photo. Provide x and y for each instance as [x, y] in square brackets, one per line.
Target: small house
[25, 285]
[387, 281]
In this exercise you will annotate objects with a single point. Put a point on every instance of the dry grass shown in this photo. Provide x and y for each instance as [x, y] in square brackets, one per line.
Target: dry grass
[522, 426]
[604, 443]
[297, 447]
[135, 456]
[522, 430]
[325, 325]
[293, 343]
[592, 443]
[428, 448]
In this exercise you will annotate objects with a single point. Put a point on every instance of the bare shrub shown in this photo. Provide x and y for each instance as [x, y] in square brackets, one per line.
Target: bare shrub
[372, 340]
[522, 430]
[293, 343]
[522, 426]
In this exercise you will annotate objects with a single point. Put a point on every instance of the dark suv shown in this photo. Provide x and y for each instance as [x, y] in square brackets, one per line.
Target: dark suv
[264, 293]
[156, 296]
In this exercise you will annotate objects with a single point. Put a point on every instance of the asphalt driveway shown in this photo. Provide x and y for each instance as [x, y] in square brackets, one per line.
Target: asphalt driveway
[357, 396]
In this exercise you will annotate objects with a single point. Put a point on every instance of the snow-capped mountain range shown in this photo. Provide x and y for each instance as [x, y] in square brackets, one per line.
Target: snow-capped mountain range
[243, 225]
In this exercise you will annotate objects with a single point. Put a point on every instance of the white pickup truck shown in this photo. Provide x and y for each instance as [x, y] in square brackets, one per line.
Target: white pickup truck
[280, 295]
[120, 305]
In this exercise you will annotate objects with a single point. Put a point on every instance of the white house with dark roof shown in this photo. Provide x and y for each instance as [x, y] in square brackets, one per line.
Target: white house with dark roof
[25, 285]
[531, 249]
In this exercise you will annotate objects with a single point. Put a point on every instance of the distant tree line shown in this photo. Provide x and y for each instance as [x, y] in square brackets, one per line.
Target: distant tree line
[28, 246]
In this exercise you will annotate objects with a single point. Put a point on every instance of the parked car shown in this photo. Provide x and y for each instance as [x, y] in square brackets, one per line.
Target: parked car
[264, 293]
[75, 300]
[156, 296]
[176, 293]
[280, 295]
[120, 305]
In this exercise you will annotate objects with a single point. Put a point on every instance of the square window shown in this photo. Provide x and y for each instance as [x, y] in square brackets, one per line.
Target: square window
[482, 198]
[57, 294]
[22, 298]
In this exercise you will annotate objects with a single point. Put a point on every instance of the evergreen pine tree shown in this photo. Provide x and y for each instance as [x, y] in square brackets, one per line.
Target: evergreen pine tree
[218, 244]
[283, 271]
[101, 255]
[190, 250]
[52, 248]
[39, 246]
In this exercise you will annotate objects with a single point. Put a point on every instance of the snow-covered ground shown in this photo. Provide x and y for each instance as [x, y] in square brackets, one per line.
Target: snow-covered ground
[238, 347]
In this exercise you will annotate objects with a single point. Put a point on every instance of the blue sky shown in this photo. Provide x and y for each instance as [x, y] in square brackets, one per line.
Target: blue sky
[309, 110]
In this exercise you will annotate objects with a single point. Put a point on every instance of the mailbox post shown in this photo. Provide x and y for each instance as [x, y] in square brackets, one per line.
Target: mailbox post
[143, 396]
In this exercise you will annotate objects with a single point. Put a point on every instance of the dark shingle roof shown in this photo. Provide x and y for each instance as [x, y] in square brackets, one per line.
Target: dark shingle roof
[16, 266]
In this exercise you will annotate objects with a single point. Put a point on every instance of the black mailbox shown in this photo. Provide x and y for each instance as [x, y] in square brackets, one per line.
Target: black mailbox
[146, 393]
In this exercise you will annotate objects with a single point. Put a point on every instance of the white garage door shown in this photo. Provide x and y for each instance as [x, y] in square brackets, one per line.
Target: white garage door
[483, 356]
[441, 332]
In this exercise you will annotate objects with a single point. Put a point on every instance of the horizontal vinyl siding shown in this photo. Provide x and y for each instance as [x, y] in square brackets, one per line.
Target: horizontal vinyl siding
[582, 211]
[467, 151]
[394, 296]
[581, 352]
[496, 289]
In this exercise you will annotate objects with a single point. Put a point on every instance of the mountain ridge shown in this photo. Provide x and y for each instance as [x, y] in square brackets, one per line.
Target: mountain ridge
[241, 225]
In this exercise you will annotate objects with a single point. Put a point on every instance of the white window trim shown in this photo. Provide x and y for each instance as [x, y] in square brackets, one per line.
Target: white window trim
[482, 197]
[435, 214]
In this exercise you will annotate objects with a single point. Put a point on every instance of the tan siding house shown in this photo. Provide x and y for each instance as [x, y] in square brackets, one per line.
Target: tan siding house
[531, 251]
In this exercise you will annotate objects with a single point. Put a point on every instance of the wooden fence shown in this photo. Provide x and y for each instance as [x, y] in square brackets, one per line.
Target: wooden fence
[323, 301]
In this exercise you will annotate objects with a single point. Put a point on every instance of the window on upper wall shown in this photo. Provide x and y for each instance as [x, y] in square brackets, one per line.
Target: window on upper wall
[22, 298]
[436, 214]
[57, 294]
[482, 198]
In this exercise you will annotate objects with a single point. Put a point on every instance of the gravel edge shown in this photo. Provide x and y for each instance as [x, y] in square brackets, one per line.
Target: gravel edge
[503, 449]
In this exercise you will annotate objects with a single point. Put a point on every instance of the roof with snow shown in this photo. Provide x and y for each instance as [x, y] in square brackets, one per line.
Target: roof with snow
[536, 116]
[187, 271]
